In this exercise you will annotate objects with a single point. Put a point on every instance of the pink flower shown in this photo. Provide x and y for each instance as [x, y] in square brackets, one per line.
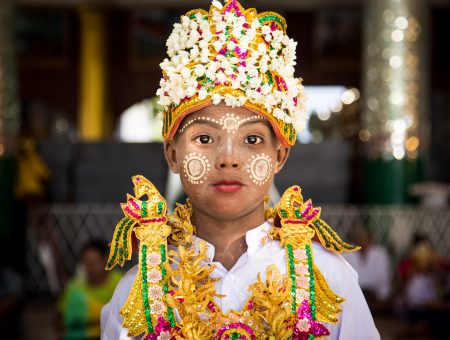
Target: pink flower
[303, 325]
[155, 292]
[154, 276]
[302, 281]
[299, 254]
[301, 269]
[153, 259]
[164, 336]
[302, 294]
[158, 307]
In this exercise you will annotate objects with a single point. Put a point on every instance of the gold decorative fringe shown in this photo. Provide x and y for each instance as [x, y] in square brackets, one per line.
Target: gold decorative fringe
[330, 239]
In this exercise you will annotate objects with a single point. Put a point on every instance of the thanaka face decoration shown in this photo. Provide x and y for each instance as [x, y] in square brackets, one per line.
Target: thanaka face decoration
[259, 168]
[195, 167]
[229, 122]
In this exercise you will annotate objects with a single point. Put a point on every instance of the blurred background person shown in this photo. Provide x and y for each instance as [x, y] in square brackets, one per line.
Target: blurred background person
[84, 296]
[427, 307]
[373, 265]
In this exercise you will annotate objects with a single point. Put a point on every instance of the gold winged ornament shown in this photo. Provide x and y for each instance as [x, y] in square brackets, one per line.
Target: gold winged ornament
[300, 221]
[145, 311]
[281, 306]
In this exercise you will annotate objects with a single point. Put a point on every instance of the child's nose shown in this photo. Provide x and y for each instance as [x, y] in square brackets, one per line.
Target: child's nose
[228, 155]
[228, 161]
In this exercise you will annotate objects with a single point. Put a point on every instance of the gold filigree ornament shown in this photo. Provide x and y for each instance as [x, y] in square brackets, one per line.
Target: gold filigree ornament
[145, 311]
[299, 223]
[291, 306]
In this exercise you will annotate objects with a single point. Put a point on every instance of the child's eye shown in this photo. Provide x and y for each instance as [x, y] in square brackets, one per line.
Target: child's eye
[204, 139]
[252, 139]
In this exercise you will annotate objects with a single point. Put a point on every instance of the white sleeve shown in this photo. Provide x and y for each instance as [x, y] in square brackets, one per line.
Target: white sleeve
[111, 320]
[356, 321]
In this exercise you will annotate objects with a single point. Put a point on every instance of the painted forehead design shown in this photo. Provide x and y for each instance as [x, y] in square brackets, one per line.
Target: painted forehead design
[229, 121]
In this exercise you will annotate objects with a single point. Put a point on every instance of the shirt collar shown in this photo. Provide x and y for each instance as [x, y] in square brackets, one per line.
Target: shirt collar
[254, 238]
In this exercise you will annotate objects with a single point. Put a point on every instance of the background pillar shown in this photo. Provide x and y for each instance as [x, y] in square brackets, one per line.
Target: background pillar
[395, 104]
[93, 114]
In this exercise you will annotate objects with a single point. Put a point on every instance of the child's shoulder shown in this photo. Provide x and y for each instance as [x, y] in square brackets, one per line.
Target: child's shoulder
[336, 270]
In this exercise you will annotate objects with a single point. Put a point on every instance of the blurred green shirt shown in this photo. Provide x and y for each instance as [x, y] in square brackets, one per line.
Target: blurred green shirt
[81, 305]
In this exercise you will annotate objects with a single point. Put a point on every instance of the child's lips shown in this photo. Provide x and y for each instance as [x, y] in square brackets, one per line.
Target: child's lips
[228, 186]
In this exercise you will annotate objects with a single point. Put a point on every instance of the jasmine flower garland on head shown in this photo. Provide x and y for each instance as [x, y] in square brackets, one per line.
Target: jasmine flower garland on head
[236, 56]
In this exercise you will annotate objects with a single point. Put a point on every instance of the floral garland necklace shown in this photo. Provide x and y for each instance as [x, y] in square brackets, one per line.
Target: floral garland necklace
[173, 294]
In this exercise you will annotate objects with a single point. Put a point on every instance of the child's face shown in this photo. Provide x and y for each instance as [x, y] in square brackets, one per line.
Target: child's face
[226, 158]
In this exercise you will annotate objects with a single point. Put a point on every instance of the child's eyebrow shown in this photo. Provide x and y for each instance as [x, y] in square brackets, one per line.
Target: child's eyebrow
[221, 123]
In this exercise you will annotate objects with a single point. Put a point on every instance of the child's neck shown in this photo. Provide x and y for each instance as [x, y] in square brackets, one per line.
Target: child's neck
[227, 236]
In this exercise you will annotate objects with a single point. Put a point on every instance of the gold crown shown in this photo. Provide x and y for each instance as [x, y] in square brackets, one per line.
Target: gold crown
[237, 56]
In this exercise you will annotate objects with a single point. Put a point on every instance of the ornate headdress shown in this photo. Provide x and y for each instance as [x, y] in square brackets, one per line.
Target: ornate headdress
[237, 56]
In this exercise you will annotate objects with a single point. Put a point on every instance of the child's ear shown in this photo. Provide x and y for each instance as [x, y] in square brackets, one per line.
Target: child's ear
[171, 155]
[282, 156]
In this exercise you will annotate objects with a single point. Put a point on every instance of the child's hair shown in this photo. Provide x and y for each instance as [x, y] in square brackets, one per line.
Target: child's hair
[98, 245]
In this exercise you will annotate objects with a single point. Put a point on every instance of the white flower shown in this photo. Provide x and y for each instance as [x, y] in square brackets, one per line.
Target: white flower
[230, 100]
[206, 35]
[221, 26]
[229, 18]
[231, 46]
[225, 63]
[273, 54]
[235, 84]
[194, 52]
[221, 77]
[216, 16]
[277, 35]
[241, 100]
[262, 48]
[229, 71]
[266, 88]
[190, 91]
[198, 17]
[204, 56]
[263, 64]
[217, 46]
[269, 102]
[278, 113]
[199, 70]
[216, 98]
[203, 44]
[276, 46]
[202, 94]
[193, 26]
[217, 4]
[254, 82]
[211, 72]
[266, 30]
[185, 72]
[237, 32]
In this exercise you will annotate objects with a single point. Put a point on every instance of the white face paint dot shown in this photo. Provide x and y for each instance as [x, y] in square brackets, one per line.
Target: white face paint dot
[229, 122]
[195, 167]
[260, 168]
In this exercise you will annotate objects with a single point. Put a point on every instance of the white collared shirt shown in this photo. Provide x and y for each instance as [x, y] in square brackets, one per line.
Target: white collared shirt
[355, 320]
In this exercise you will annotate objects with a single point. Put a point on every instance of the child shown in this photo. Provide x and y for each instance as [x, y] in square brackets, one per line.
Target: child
[223, 265]
[83, 297]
